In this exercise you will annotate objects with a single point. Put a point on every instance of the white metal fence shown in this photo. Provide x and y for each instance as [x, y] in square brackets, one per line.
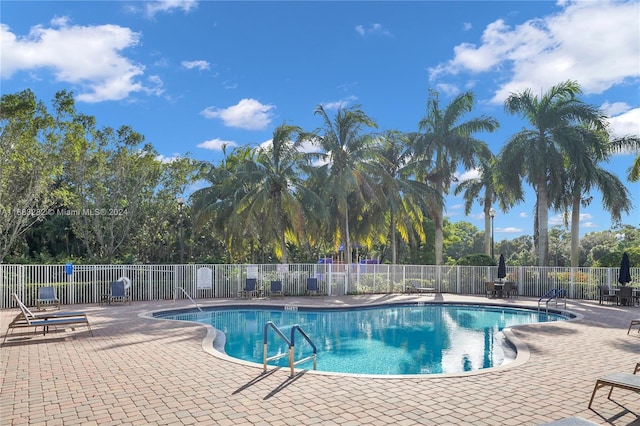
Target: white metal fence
[81, 284]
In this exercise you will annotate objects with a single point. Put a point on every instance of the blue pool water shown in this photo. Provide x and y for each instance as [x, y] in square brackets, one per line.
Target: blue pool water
[388, 340]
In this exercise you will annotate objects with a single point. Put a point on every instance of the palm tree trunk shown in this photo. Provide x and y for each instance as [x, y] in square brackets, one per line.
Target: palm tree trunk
[394, 249]
[575, 232]
[438, 221]
[280, 227]
[543, 221]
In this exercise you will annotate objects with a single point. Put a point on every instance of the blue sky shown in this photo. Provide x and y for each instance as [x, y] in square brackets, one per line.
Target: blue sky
[195, 75]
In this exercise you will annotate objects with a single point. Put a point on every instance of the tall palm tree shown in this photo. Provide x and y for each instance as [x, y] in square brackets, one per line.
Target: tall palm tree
[538, 153]
[403, 196]
[583, 177]
[446, 143]
[494, 191]
[277, 196]
[346, 144]
[217, 202]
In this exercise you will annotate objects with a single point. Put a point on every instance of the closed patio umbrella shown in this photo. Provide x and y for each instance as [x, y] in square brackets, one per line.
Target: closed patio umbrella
[502, 268]
[624, 276]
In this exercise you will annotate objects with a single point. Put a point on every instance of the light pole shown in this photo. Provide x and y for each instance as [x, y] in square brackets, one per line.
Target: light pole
[492, 214]
[180, 239]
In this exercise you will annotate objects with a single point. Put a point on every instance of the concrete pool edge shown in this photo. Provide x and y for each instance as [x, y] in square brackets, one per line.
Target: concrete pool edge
[213, 342]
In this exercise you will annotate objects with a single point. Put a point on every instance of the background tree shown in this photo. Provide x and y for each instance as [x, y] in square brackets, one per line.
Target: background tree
[113, 179]
[30, 149]
[350, 169]
[404, 201]
[277, 196]
[539, 154]
[446, 143]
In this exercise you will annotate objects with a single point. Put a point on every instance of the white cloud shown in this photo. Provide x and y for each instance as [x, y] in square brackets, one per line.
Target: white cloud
[626, 124]
[247, 114]
[101, 72]
[200, 64]
[523, 214]
[594, 43]
[154, 7]
[468, 175]
[589, 225]
[467, 26]
[342, 103]
[372, 29]
[216, 144]
[585, 216]
[168, 159]
[509, 230]
[448, 89]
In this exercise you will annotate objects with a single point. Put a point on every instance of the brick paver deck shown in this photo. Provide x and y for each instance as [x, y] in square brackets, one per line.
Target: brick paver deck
[137, 370]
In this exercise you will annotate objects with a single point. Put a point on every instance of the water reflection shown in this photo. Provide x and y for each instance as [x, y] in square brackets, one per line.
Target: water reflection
[391, 340]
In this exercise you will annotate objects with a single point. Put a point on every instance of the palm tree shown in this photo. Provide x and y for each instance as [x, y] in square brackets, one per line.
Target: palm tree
[350, 168]
[538, 154]
[277, 196]
[494, 191]
[629, 144]
[216, 203]
[583, 177]
[403, 196]
[446, 143]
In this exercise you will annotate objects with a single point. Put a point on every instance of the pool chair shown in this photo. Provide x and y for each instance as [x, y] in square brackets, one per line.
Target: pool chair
[250, 289]
[47, 297]
[606, 295]
[118, 293]
[625, 296]
[276, 289]
[627, 381]
[490, 289]
[312, 287]
[635, 322]
[27, 319]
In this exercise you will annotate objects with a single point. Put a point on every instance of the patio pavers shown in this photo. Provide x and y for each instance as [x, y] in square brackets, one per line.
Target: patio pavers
[137, 370]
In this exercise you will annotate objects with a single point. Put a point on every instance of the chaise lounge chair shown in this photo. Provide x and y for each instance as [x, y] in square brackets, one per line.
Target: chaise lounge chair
[250, 289]
[119, 293]
[415, 288]
[312, 287]
[26, 318]
[634, 323]
[276, 289]
[47, 296]
[626, 381]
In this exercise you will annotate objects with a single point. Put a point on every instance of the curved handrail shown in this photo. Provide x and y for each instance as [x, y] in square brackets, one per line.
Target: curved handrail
[189, 297]
[265, 359]
[552, 294]
[290, 343]
[291, 348]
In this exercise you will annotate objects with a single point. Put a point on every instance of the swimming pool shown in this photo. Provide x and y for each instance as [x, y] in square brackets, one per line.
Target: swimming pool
[382, 340]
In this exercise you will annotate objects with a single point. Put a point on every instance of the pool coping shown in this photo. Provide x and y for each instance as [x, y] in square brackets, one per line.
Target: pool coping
[214, 341]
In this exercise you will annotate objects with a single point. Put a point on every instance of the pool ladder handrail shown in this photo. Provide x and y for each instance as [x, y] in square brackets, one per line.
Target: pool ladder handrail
[186, 294]
[553, 294]
[290, 343]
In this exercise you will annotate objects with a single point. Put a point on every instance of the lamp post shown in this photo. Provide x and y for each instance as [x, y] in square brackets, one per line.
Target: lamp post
[492, 214]
[180, 238]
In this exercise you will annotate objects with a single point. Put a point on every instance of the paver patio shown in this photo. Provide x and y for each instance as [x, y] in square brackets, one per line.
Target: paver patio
[137, 370]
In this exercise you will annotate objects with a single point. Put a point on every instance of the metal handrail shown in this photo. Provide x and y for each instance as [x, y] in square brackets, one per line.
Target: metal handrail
[291, 348]
[189, 297]
[290, 343]
[553, 294]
